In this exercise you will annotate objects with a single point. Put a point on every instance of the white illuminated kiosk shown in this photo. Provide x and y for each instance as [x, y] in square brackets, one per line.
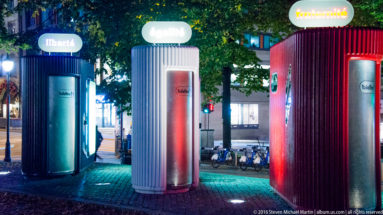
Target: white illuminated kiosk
[166, 107]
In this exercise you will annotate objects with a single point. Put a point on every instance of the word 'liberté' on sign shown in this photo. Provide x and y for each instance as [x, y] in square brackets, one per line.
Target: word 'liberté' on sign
[59, 43]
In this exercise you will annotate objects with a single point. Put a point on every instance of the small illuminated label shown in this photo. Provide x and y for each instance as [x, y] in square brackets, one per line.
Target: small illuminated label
[183, 91]
[69, 43]
[321, 13]
[166, 32]
[66, 93]
[367, 87]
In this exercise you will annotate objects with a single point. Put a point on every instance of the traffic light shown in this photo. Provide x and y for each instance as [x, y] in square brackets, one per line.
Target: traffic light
[208, 108]
[211, 107]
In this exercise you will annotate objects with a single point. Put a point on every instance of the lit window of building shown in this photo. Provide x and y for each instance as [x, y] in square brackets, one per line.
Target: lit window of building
[244, 115]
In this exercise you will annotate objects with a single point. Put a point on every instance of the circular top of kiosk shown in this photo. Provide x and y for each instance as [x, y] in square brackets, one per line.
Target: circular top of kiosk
[57, 65]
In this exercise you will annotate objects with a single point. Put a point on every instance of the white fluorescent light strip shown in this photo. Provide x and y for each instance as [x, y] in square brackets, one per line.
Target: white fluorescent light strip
[4, 173]
[237, 201]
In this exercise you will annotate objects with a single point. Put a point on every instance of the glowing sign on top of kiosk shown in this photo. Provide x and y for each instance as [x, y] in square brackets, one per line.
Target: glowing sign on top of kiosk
[69, 43]
[166, 32]
[321, 13]
[334, 14]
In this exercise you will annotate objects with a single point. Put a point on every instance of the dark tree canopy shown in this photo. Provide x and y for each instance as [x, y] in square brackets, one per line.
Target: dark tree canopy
[110, 28]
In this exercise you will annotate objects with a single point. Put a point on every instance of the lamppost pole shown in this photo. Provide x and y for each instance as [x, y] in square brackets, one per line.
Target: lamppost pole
[8, 144]
[7, 66]
[121, 129]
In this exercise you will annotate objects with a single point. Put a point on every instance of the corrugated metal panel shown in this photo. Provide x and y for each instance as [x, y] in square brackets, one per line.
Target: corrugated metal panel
[309, 158]
[149, 66]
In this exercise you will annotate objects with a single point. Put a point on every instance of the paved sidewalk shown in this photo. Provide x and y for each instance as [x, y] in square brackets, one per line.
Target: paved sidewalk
[107, 157]
[110, 184]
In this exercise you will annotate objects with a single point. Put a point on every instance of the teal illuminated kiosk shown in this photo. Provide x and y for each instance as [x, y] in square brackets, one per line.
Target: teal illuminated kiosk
[58, 115]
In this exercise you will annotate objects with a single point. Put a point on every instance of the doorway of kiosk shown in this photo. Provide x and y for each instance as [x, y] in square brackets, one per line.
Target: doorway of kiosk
[62, 135]
[362, 171]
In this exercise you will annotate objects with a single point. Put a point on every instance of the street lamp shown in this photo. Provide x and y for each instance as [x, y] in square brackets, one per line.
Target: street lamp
[7, 66]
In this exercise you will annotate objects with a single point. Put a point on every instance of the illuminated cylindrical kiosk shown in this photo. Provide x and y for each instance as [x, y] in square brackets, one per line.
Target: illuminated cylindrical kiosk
[58, 113]
[165, 100]
[324, 118]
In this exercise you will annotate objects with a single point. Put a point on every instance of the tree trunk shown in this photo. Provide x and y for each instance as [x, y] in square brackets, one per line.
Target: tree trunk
[226, 113]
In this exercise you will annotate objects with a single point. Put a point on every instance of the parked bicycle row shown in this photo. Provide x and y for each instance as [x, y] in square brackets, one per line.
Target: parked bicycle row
[256, 157]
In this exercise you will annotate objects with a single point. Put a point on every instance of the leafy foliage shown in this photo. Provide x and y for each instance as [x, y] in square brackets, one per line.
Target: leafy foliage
[273, 15]
[8, 42]
[368, 13]
[110, 28]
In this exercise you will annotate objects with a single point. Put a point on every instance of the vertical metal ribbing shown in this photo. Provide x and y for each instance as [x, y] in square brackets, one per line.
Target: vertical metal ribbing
[163, 59]
[149, 111]
[320, 98]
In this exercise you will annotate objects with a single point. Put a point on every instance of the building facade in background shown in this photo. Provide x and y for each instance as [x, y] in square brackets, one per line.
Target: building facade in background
[25, 21]
[13, 26]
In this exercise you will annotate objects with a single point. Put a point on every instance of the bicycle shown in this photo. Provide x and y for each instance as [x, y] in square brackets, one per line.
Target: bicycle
[265, 160]
[257, 160]
[246, 161]
[221, 157]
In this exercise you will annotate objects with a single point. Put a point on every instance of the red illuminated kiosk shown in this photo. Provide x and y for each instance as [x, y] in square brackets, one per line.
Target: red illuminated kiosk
[324, 118]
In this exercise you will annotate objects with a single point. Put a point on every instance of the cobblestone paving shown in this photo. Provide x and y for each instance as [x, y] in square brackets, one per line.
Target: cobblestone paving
[110, 184]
